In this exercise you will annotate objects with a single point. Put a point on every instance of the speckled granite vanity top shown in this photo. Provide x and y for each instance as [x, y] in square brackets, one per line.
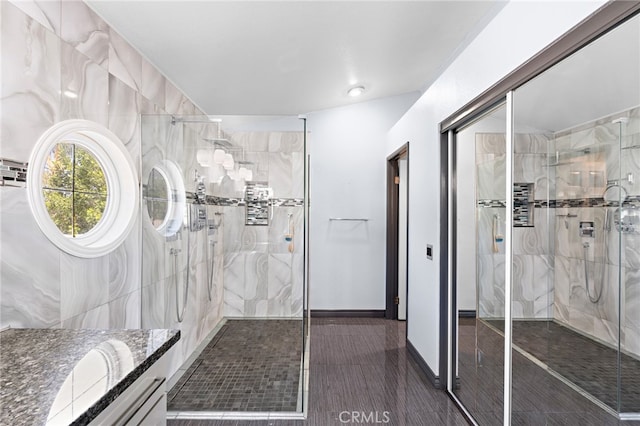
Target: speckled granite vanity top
[59, 376]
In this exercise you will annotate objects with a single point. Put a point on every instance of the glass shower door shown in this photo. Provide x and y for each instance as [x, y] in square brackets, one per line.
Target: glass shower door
[480, 200]
[574, 351]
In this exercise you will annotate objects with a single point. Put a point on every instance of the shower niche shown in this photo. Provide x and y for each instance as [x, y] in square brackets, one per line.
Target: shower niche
[523, 204]
[257, 196]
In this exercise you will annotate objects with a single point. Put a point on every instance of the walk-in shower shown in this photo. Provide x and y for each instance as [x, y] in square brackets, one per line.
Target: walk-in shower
[223, 242]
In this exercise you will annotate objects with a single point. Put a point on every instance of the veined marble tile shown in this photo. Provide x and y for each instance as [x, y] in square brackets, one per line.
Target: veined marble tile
[124, 265]
[491, 285]
[30, 267]
[84, 284]
[281, 174]
[154, 305]
[532, 143]
[124, 117]
[612, 287]
[562, 282]
[85, 31]
[46, 13]
[95, 318]
[153, 84]
[233, 304]
[632, 299]
[30, 82]
[256, 274]
[234, 283]
[124, 61]
[631, 249]
[533, 240]
[156, 262]
[233, 226]
[173, 98]
[125, 311]
[490, 179]
[280, 284]
[286, 141]
[544, 286]
[491, 143]
[255, 239]
[251, 141]
[89, 84]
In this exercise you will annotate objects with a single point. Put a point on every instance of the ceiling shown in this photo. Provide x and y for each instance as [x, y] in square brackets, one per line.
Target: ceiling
[293, 57]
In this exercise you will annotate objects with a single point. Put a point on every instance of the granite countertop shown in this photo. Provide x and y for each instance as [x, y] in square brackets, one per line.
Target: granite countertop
[60, 376]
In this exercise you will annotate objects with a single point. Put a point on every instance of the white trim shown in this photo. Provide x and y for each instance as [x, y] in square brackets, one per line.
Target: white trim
[122, 186]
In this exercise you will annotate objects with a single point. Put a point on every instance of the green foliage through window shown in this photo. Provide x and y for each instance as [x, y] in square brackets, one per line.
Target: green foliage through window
[74, 188]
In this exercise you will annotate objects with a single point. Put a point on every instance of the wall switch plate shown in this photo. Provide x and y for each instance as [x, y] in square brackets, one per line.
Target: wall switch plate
[429, 251]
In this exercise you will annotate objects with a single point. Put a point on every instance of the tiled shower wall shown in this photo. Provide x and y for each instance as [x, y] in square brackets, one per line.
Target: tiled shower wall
[164, 277]
[262, 276]
[533, 261]
[613, 258]
[47, 49]
[548, 271]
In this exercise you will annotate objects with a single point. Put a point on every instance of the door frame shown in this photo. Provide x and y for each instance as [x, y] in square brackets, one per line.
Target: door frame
[393, 195]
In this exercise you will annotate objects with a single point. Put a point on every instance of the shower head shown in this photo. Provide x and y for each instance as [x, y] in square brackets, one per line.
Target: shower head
[614, 193]
[219, 142]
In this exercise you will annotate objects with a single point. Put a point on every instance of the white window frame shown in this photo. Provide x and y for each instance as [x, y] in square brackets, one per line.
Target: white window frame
[122, 204]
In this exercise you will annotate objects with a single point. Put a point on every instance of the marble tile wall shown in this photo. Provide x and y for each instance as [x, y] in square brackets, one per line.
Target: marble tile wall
[198, 264]
[589, 157]
[49, 48]
[263, 278]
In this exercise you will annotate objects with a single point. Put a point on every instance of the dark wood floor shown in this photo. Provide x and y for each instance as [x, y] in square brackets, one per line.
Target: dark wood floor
[362, 365]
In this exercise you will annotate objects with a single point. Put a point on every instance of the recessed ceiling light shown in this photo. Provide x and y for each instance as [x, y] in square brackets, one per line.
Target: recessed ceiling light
[356, 91]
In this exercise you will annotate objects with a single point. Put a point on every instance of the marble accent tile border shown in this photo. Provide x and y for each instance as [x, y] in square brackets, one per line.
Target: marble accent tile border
[631, 201]
[240, 202]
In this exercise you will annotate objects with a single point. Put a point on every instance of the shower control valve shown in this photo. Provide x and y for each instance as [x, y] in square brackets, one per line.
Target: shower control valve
[587, 229]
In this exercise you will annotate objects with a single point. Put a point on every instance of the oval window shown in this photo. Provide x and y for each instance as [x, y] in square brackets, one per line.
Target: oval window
[82, 188]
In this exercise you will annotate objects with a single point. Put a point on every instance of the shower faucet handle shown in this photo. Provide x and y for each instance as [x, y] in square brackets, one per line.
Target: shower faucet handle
[587, 229]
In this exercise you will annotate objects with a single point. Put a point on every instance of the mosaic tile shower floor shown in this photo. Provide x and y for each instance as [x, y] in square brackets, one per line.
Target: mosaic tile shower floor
[250, 365]
[588, 364]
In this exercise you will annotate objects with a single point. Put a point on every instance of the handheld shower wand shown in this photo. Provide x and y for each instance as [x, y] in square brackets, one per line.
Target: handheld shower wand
[498, 235]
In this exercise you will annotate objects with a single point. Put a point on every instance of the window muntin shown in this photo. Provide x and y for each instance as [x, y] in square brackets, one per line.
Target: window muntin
[74, 188]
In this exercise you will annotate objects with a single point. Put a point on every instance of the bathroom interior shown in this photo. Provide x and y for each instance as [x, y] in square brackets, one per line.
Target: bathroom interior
[573, 167]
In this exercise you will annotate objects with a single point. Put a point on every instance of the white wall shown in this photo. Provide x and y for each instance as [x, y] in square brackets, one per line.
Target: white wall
[348, 170]
[521, 29]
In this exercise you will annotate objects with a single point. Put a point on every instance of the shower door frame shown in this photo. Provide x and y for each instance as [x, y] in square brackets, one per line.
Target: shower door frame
[607, 17]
